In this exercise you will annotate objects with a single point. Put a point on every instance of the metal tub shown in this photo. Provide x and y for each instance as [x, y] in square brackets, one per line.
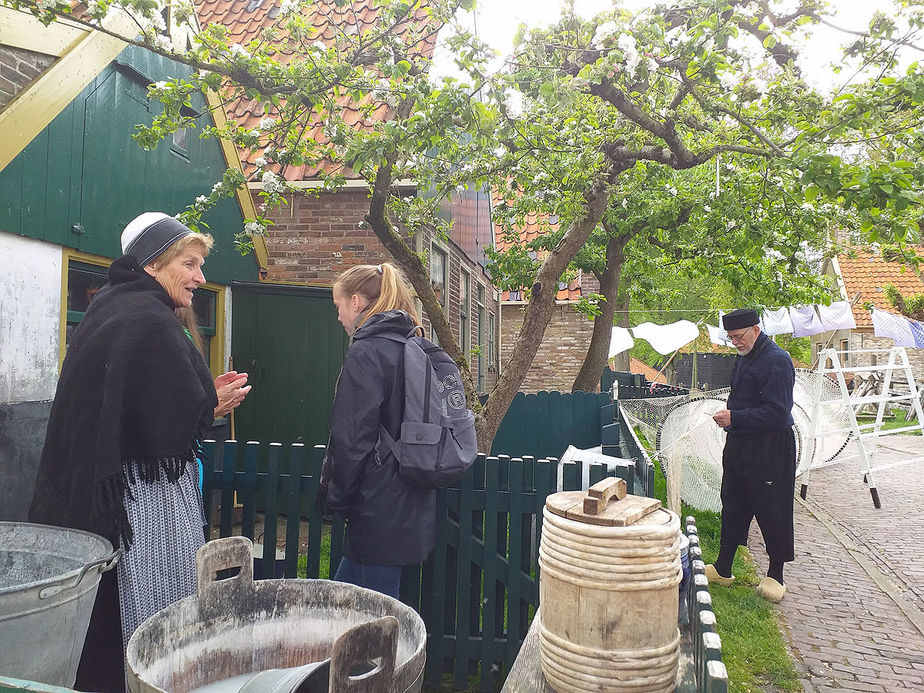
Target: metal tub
[48, 582]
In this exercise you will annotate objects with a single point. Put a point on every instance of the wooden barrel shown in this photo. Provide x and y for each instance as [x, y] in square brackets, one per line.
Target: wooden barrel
[608, 588]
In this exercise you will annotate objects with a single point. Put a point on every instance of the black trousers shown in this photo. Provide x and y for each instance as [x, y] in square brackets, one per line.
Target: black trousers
[758, 481]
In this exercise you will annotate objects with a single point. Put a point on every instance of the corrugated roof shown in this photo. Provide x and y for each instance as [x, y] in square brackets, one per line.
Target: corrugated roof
[245, 19]
[535, 225]
[867, 273]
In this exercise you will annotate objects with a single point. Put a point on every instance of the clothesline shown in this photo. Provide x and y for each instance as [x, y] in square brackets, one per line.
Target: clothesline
[799, 321]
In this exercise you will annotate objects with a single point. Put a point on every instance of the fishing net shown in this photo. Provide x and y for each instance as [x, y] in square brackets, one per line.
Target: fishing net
[689, 445]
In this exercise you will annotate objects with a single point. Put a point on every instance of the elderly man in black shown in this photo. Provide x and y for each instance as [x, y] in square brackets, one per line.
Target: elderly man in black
[759, 461]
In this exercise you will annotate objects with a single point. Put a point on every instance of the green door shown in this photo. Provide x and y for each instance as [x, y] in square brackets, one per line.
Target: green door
[288, 340]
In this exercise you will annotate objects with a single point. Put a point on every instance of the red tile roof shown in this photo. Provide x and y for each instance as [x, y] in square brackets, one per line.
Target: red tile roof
[867, 273]
[245, 19]
[535, 224]
[651, 374]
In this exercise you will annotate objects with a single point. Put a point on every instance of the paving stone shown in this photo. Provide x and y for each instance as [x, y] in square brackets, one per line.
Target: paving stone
[845, 631]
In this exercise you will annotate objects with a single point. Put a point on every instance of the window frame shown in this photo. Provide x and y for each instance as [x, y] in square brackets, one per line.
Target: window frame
[492, 347]
[481, 328]
[215, 333]
[465, 312]
[437, 250]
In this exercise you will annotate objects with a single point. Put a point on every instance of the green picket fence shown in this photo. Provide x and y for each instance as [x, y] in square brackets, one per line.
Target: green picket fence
[479, 589]
[543, 424]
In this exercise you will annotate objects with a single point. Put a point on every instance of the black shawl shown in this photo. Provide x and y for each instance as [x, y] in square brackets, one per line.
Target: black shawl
[132, 397]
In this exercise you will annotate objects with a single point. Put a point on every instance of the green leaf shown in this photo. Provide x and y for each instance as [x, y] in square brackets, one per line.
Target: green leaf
[769, 42]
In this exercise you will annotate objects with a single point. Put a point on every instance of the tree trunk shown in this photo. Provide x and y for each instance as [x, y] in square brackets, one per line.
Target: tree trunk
[539, 311]
[588, 378]
[415, 271]
[622, 361]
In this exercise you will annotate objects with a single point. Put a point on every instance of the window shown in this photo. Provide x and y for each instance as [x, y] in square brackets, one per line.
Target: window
[204, 304]
[491, 346]
[481, 339]
[465, 314]
[83, 281]
[88, 275]
[439, 266]
[179, 139]
[845, 357]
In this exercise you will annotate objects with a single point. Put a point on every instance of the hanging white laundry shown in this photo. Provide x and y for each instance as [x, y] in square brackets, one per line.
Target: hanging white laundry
[667, 338]
[837, 316]
[620, 341]
[893, 326]
[776, 322]
[917, 331]
[805, 321]
[718, 336]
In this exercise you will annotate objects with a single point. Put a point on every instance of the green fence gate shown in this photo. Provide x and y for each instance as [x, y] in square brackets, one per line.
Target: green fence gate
[479, 589]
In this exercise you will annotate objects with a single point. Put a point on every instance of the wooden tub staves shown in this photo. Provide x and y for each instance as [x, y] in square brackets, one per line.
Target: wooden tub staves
[608, 587]
[236, 626]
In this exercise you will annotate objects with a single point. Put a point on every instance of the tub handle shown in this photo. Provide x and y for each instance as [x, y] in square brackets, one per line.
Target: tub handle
[600, 494]
[224, 554]
[104, 564]
[376, 639]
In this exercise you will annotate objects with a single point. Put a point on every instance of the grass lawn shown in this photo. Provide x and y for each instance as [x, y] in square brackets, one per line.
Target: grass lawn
[753, 647]
[896, 421]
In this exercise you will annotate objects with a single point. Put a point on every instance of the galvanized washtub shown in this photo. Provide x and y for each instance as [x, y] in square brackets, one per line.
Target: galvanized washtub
[48, 582]
[236, 627]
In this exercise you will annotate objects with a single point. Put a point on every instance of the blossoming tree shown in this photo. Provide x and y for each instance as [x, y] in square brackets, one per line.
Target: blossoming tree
[673, 88]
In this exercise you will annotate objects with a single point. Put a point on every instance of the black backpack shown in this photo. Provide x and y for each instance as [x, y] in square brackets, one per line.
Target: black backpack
[438, 442]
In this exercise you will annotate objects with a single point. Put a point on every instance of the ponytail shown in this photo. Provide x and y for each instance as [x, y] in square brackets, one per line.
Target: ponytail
[382, 286]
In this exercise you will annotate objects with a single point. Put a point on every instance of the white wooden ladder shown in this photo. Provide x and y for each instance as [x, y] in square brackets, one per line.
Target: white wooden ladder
[866, 436]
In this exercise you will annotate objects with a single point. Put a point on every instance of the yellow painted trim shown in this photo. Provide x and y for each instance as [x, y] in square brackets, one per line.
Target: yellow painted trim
[35, 107]
[233, 160]
[20, 29]
[67, 256]
[217, 347]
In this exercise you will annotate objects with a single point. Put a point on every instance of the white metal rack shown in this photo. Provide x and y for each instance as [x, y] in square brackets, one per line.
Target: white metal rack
[866, 436]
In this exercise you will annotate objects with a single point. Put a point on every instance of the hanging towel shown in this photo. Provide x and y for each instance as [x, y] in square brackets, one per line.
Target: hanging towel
[805, 321]
[893, 326]
[776, 322]
[667, 338]
[917, 331]
[620, 341]
[837, 316]
[718, 336]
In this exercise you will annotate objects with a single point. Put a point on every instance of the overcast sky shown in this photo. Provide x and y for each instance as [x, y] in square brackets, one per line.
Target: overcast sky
[497, 22]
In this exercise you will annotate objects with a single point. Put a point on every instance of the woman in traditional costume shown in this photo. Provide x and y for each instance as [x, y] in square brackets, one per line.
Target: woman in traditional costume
[133, 399]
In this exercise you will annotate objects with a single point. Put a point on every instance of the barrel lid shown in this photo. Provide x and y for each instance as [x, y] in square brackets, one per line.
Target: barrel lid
[615, 513]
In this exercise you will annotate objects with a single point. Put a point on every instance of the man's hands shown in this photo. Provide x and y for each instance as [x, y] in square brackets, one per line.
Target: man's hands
[722, 417]
[232, 388]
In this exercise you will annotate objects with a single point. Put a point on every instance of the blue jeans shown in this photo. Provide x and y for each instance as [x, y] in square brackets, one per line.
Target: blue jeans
[381, 578]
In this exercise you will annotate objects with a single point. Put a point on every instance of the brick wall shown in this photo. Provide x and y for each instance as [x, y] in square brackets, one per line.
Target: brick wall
[866, 340]
[17, 69]
[561, 353]
[315, 238]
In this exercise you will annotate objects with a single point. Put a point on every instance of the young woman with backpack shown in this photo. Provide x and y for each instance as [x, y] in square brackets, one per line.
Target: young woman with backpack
[390, 523]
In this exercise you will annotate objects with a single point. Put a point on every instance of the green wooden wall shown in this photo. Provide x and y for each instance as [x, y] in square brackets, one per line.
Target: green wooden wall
[85, 170]
[544, 424]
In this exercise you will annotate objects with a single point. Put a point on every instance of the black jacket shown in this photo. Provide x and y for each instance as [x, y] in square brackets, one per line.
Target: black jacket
[761, 390]
[132, 395]
[388, 521]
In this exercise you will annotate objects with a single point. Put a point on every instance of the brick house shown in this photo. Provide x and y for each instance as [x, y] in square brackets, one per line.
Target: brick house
[862, 275]
[316, 237]
[568, 334]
